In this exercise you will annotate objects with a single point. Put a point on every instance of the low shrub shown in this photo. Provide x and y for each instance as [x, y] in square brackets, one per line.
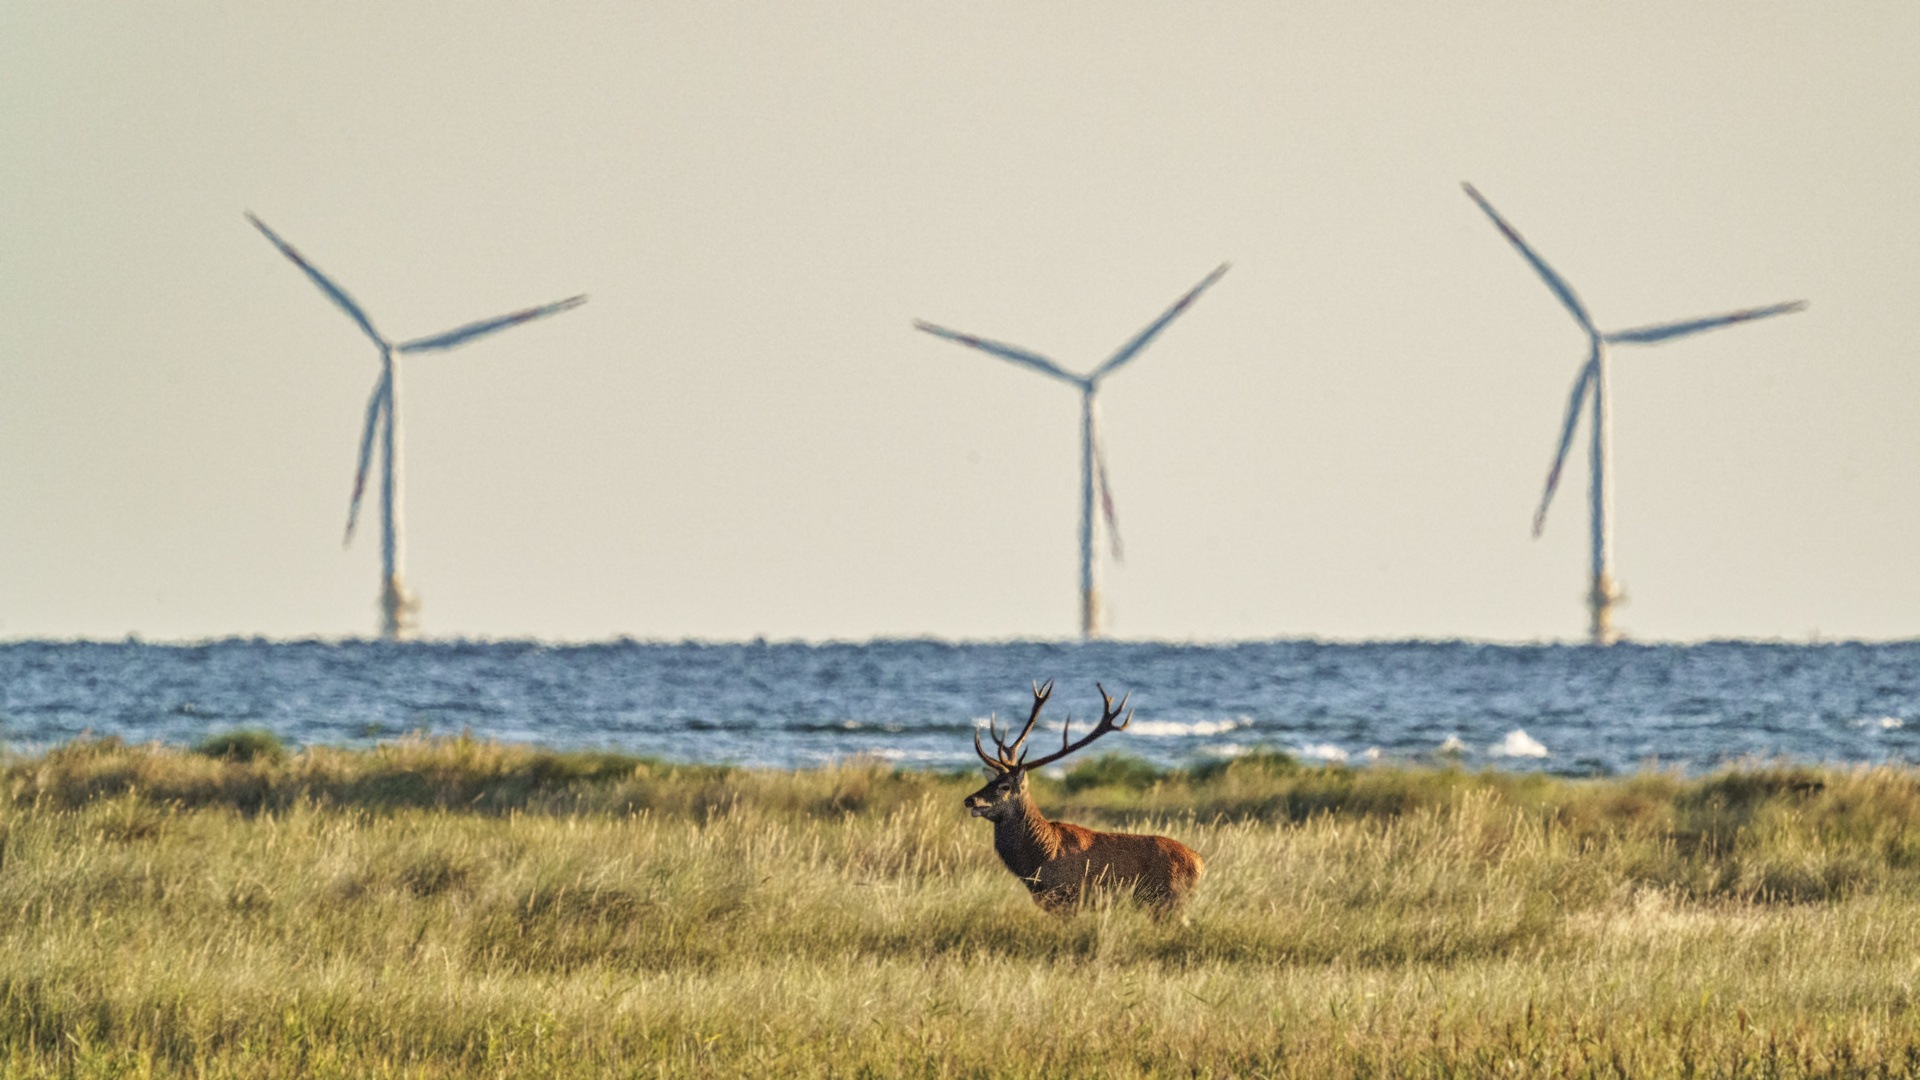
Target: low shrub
[1113, 770]
[243, 744]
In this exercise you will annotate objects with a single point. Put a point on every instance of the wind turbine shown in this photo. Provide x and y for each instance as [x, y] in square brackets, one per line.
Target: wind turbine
[1604, 592]
[397, 606]
[1093, 467]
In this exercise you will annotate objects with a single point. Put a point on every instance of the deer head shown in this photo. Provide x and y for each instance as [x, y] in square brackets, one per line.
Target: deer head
[1006, 794]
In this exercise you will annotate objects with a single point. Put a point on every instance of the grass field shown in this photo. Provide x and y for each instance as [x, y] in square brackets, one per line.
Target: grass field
[458, 908]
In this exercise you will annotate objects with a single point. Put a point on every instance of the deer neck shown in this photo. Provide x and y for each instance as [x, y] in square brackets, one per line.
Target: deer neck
[1026, 840]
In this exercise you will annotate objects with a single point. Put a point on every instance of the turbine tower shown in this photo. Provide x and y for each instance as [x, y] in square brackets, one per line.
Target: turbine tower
[1604, 592]
[397, 606]
[1093, 467]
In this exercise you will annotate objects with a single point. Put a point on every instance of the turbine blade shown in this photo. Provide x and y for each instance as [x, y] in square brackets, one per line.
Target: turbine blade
[334, 292]
[1644, 335]
[464, 334]
[1005, 352]
[1140, 340]
[1106, 499]
[376, 404]
[1554, 281]
[1580, 387]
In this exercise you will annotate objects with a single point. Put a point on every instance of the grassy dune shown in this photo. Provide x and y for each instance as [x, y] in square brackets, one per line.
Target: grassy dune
[456, 908]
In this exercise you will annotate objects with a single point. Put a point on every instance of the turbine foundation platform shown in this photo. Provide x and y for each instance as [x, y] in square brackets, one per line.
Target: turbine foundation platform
[399, 611]
[1601, 601]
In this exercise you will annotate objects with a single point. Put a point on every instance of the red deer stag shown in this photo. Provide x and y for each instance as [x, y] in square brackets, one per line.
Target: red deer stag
[1057, 861]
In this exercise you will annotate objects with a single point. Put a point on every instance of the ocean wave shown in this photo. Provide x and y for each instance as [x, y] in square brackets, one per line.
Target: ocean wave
[1228, 750]
[839, 726]
[1166, 728]
[896, 754]
[1518, 744]
[1156, 728]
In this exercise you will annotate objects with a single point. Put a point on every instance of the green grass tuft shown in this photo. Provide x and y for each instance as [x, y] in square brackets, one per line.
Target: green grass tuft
[243, 744]
[1113, 770]
[1266, 761]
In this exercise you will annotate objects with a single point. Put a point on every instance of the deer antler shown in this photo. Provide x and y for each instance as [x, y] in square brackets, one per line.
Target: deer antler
[1008, 755]
[1109, 712]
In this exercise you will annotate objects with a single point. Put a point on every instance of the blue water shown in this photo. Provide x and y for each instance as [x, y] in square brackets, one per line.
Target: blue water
[915, 702]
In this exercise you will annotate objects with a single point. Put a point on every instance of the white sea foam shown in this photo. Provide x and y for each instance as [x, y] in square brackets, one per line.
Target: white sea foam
[1324, 751]
[1197, 727]
[883, 753]
[890, 753]
[1517, 744]
[1884, 723]
[1452, 745]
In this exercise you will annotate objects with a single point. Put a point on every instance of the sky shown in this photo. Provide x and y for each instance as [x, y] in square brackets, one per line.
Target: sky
[741, 434]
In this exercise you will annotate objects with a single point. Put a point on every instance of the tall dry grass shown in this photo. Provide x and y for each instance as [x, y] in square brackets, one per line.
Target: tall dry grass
[457, 908]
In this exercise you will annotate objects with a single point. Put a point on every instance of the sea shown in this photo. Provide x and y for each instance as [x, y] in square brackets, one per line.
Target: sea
[1565, 709]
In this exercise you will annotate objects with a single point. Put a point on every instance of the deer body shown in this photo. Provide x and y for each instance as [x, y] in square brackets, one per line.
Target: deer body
[1060, 862]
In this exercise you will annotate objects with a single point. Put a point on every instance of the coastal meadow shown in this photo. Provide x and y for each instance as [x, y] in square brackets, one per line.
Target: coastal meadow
[455, 907]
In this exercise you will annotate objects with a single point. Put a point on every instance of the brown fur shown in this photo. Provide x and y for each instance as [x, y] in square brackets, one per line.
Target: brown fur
[1060, 862]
